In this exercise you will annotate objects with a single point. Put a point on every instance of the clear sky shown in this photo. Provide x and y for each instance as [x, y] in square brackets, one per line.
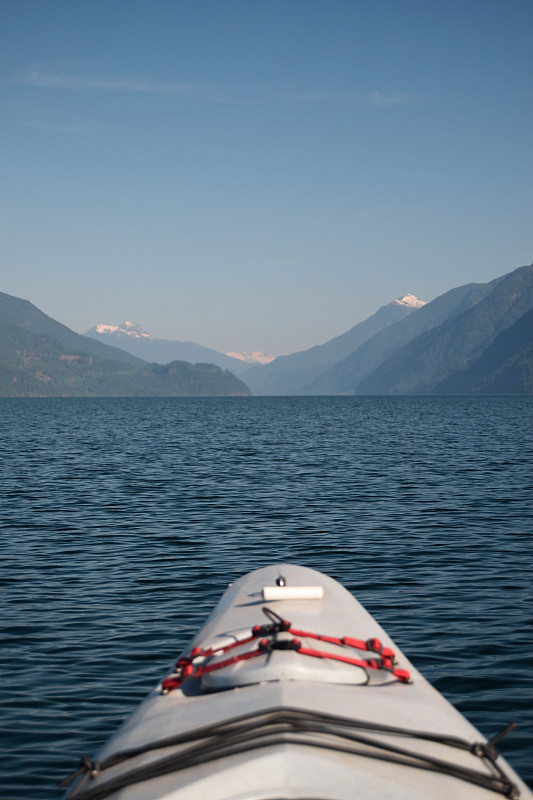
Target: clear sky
[260, 174]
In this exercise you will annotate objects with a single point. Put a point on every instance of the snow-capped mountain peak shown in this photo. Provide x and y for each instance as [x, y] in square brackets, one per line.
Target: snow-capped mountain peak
[255, 357]
[410, 300]
[125, 329]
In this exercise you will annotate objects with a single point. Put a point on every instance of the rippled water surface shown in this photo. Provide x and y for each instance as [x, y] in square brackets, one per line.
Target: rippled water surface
[123, 520]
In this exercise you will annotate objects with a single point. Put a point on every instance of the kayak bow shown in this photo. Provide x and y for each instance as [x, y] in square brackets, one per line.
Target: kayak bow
[316, 701]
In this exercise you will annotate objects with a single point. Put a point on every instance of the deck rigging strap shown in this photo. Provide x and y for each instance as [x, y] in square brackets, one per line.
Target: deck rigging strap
[256, 730]
[186, 668]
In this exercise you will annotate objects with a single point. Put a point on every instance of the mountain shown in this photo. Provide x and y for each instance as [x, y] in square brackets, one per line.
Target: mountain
[40, 357]
[345, 376]
[505, 367]
[295, 373]
[134, 340]
[428, 360]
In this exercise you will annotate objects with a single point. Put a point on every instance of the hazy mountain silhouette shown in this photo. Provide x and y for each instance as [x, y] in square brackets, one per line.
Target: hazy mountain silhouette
[295, 373]
[345, 376]
[423, 364]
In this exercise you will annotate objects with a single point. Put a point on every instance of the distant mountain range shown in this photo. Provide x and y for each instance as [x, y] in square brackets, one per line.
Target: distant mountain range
[136, 341]
[40, 357]
[474, 339]
[450, 345]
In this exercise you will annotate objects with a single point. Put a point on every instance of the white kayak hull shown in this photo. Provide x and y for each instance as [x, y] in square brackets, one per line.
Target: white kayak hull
[265, 714]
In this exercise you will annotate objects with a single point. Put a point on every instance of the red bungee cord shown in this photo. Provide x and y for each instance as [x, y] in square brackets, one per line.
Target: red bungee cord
[185, 667]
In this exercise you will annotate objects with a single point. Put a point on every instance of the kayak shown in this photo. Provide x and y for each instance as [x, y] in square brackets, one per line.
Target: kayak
[292, 690]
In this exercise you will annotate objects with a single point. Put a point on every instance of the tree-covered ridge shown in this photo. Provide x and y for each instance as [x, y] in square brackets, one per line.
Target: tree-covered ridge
[505, 367]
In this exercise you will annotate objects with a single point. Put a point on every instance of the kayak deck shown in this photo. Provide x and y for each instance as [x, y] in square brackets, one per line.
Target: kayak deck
[247, 715]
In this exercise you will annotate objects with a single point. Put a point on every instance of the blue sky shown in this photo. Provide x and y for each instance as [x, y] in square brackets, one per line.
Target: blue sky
[261, 174]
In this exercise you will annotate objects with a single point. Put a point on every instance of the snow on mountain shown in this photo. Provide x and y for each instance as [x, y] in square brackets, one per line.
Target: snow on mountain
[125, 329]
[136, 341]
[136, 332]
[255, 357]
[411, 301]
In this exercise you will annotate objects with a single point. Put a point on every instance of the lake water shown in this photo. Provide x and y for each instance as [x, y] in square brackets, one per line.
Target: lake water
[123, 520]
